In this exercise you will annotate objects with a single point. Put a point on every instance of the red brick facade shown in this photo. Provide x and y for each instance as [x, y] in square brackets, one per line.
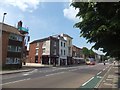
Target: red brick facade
[13, 49]
[4, 46]
[32, 52]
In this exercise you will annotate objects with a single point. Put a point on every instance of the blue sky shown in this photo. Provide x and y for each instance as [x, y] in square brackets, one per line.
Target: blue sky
[43, 18]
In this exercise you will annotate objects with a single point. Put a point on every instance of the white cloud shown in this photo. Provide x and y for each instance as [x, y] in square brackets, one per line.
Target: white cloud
[70, 13]
[24, 5]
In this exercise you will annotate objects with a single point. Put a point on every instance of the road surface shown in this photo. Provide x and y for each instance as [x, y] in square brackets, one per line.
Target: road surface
[83, 76]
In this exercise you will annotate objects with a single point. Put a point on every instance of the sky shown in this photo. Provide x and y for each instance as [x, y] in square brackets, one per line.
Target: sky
[44, 18]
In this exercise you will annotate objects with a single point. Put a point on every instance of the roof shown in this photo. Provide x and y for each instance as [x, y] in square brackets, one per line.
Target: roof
[76, 47]
[10, 29]
[66, 35]
[59, 37]
[43, 39]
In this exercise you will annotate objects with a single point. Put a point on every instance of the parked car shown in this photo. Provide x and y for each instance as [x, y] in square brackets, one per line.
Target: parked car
[90, 61]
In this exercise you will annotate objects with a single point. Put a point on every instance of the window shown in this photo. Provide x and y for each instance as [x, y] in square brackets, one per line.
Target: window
[75, 54]
[61, 44]
[19, 49]
[54, 52]
[69, 50]
[9, 61]
[12, 60]
[61, 51]
[15, 37]
[69, 42]
[44, 44]
[64, 44]
[37, 44]
[16, 61]
[36, 59]
[14, 48]
[36, 52]
[54, 43]
[9, 48]
[19, 38]
[43, 50]
[64, 52]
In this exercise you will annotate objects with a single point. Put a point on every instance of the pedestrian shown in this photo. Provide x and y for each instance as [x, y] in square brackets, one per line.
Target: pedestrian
[114, 62]
[104, 62]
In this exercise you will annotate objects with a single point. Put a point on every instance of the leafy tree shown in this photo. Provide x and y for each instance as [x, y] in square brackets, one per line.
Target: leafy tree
[91, 53]
[100, 25]
[85, 51]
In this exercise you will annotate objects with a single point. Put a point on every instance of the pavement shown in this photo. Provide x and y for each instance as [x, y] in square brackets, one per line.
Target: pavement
[111, 78]
[25, 68]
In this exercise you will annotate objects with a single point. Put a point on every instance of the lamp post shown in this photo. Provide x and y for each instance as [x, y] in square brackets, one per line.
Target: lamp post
[3, 17]
[1, 27]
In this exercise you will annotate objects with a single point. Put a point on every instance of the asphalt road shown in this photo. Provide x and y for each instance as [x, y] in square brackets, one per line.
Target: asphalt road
[85, 76]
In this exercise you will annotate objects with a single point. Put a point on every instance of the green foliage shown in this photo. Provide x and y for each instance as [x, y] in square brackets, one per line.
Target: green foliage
[100, 25]
[91, 53]
[85, 51]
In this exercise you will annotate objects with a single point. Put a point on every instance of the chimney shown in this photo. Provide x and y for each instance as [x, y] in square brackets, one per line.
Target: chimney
[19, 24]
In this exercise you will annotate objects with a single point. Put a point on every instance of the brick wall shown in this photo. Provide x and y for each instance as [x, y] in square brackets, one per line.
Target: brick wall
[4, 46]
[32, 53]
[40, 52]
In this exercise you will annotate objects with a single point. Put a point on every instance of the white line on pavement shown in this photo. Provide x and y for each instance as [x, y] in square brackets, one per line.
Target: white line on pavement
[87, 81]
[102, 78]
[73, 69]
[26, 74]
[99, 73]
[16, 81]
[99, 77]
[103, 69]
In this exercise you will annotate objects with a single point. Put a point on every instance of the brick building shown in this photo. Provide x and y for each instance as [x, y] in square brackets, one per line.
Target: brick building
[44, 51]
[77, 55]
[13, 46]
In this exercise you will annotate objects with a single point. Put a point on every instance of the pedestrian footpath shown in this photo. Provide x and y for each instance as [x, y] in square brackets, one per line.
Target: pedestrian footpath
[25, 68]
[112, 78]
[15, 71]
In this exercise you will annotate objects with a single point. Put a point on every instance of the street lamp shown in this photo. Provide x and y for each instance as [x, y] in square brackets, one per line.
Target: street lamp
[3, 17]
[1, 27]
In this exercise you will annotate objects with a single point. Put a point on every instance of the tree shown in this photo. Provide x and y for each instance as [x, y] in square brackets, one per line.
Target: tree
[100, 25]
[85, 51]
[91, 53]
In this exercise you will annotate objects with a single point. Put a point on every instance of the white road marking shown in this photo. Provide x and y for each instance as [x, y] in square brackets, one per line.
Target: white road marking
[87, 81]
[103, 77]
[99, 73]
[73, 69]
[26, 74]
[99, 77]
[54, 74]
[16, 81]
[103, 69]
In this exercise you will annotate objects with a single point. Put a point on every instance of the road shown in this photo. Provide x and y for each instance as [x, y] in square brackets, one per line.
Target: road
[84, 76]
